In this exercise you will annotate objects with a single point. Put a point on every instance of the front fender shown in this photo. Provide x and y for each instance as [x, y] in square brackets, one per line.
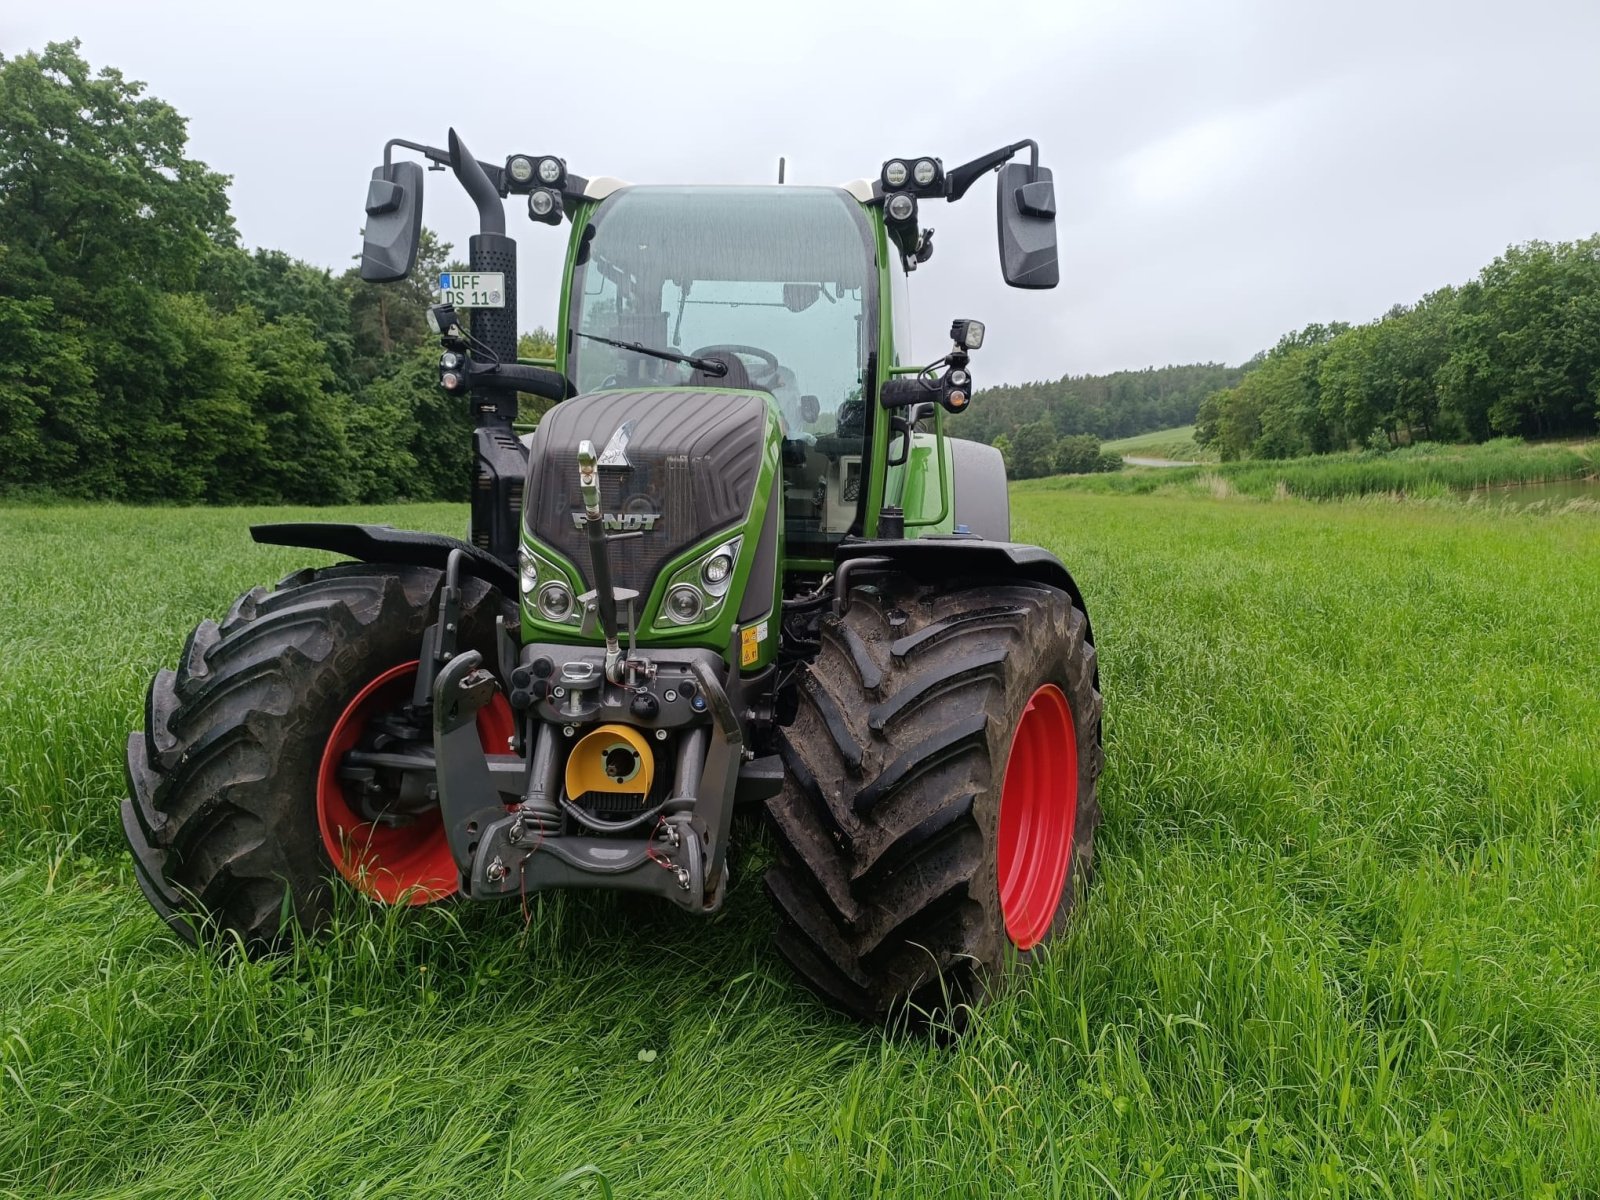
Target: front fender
[946, 556]
[386, 544]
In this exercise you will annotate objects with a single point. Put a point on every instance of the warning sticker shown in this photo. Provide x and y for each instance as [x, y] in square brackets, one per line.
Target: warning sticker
[749, 646]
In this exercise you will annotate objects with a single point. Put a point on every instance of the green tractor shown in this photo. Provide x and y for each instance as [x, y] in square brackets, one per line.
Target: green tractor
[738, 563]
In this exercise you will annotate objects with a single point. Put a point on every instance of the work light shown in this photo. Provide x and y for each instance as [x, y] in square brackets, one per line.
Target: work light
[967, 333]
[925, 172]
[520, 168]
[552, 171]
[895, 174]
[442, 318]
[544, 205]
[901, 207]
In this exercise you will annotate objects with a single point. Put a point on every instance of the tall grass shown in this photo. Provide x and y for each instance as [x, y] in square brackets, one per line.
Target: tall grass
[1424, 470]
[1341, 942]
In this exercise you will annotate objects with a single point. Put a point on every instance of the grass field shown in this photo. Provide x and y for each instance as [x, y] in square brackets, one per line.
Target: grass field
[1175, 444]
[1342, 940]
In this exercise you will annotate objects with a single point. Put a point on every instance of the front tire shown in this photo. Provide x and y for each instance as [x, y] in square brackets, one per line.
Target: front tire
[940, 808]
[230, 806]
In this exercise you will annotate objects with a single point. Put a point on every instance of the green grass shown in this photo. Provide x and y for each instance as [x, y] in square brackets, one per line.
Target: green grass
[1177, 445]
[1342, 942]
[1422, 471]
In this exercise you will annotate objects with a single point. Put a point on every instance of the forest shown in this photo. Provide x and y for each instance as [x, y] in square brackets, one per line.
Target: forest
[1055, 427]
[1513, 352]
[146, 355]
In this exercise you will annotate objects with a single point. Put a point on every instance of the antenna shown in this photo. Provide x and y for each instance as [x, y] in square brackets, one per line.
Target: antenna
[782, 162]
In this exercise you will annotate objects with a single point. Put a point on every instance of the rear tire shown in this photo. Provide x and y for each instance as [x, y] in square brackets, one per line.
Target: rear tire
[891, 853]
[222, 817]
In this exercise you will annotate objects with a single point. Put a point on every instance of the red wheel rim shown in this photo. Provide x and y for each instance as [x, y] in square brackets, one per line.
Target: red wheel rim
[1038, 810]
[404, 864]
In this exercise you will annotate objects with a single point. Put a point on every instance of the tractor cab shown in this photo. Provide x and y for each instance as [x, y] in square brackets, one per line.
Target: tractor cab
[778, 284]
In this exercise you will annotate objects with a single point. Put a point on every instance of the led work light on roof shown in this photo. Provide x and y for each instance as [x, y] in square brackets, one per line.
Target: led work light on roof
[925, 172]
[552, 171]
[895, 174]
[520, 168]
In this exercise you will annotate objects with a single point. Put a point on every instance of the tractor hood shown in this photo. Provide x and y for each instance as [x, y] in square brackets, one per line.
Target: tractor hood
[676, 466]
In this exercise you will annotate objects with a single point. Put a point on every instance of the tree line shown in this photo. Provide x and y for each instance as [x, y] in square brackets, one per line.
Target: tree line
[145, 355]
[1515, 351]
[1054, 427]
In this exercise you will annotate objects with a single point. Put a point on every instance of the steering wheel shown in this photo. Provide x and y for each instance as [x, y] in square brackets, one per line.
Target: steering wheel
[764, 378]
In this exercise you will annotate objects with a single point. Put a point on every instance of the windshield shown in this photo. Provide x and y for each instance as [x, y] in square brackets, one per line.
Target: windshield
[778, 280]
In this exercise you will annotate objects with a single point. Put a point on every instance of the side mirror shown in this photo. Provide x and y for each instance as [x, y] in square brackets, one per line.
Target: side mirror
[1025, 203]
[394, 222]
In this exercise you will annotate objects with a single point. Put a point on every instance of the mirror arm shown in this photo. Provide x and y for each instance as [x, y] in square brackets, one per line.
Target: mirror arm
[959, 179]
[491, 212]
[440, 158]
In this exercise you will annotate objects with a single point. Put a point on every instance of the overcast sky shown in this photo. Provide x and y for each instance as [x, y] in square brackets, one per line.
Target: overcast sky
[1226, 170]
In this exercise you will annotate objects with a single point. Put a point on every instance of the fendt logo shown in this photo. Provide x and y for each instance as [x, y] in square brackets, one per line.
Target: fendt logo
[633, 522]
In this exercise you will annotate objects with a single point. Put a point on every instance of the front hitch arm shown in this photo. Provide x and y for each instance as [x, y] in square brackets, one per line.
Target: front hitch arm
[468, 798]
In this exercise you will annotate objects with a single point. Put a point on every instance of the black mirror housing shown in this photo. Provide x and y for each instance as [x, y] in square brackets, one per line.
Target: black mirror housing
[1025, 210]
[394, 222]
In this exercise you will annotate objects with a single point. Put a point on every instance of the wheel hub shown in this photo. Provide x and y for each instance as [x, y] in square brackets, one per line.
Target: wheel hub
[1038, 814]
[391, 843]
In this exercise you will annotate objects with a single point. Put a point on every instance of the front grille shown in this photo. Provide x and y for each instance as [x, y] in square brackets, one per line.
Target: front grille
[695, 457]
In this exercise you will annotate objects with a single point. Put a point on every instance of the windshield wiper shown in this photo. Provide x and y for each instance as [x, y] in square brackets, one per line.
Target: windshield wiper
[711, 366]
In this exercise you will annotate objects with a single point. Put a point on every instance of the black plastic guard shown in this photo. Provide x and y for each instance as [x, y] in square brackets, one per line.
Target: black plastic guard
[950, 556]
[386, 544]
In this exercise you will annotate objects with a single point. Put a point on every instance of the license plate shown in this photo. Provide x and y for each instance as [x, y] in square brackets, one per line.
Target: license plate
[473, 289]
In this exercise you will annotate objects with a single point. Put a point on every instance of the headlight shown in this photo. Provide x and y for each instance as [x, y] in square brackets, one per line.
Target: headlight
[555, 601]
[684, 604]
[529, 572]
[716, 569]
[697, 591]
[901, 206]
[541, 203]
